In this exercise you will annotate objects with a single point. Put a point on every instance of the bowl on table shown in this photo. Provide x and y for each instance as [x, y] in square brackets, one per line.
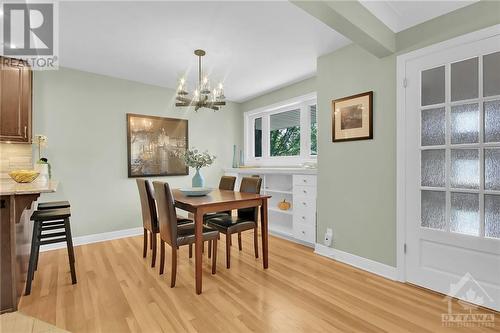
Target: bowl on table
[24, 176]
[195, 191]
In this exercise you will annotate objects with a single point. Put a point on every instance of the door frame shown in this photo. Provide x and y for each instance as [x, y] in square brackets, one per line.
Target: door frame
[401, 84]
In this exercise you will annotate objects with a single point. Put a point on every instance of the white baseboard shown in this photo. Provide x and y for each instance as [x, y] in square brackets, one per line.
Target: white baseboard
[371, 266]
[95, 238]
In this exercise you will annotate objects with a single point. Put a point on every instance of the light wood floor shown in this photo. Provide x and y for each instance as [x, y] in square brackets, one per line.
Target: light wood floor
[18, 322]
[117, 291]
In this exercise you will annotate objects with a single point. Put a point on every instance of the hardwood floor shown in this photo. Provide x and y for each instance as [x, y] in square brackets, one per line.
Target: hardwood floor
[118, 291]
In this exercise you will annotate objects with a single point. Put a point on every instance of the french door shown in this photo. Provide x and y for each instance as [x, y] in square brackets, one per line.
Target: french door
[452, 158]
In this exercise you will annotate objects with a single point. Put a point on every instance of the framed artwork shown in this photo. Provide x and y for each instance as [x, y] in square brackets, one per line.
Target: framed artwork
[155, 144]
[352, 118]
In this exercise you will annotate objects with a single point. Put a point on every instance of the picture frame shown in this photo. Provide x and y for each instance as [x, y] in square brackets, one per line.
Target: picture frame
[352, 118]
[155, 146]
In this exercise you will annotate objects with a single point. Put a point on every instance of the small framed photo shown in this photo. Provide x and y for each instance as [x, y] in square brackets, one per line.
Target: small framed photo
[352, 118]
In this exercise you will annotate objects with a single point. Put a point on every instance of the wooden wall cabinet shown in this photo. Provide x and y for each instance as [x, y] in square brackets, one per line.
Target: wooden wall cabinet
[15, 101]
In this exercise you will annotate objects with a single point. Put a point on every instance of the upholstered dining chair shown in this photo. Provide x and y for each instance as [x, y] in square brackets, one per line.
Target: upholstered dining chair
[177, 235]
[150, 218]
[246, 219]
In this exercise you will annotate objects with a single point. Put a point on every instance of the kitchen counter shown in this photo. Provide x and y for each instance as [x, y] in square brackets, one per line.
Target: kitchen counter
[9, 187]
[16, 206]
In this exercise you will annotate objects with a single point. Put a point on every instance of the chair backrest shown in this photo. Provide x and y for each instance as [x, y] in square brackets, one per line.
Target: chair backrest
[250, 185]
[227, 183]
[148, 205]
[167, 217]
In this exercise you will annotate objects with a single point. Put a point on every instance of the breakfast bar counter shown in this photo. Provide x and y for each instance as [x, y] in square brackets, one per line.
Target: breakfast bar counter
[16, 202]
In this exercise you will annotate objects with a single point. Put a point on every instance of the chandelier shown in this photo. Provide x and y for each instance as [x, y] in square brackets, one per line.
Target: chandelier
[202, 97]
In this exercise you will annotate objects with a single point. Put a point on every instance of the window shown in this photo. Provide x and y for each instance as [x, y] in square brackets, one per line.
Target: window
[283, 133]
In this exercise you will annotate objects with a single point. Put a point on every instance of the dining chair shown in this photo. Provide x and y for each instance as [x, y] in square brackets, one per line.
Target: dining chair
[150, 218]
[246, 219]
[177, 235]
[226, 183]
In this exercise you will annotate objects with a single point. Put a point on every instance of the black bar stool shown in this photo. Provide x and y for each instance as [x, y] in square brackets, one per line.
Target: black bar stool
[50, 220]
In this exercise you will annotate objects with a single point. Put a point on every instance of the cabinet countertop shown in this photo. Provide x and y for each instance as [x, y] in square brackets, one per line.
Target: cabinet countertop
[272, 170]
[10, 187]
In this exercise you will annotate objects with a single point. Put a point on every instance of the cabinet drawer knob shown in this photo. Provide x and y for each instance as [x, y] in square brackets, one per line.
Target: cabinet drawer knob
[304, 204]
[305, 180]
[304, 191]
[303, 232]
[303, 217]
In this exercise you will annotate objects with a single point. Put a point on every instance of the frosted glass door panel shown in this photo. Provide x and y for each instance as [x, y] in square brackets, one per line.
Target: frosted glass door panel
[465, 123]
[492, 169]
[464, 215]
[492, 121]
[433, 127]
[491, 74]
[433, 205]
[465, 168]
[433, 86]
[492, 216]
[433, 168]
[465, 80]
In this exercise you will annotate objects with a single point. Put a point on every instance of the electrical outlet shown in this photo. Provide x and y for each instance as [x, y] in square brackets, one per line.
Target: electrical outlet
[328, 237]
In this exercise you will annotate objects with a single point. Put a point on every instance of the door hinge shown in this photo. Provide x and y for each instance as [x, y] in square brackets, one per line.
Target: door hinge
[405, 83]
[404, 248]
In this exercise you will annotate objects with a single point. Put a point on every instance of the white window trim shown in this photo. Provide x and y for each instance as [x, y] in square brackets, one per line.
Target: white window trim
[303, 102]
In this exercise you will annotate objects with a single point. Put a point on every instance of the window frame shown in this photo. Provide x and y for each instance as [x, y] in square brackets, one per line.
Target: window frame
[302, 103]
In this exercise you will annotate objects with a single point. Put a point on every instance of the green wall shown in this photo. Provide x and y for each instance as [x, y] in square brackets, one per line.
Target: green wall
[83, 116]
[357, 180]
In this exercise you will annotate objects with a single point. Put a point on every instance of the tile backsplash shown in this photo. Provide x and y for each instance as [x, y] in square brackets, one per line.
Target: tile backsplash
[15, 156]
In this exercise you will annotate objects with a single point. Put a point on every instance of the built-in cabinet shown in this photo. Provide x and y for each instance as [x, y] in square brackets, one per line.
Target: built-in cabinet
[297, 187]
[15, 101]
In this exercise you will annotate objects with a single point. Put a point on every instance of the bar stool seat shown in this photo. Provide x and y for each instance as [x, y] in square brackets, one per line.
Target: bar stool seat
[53, 205]
[57, 222]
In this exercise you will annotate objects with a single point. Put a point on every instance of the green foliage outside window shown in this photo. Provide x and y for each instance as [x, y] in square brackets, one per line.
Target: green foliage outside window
[285, 141]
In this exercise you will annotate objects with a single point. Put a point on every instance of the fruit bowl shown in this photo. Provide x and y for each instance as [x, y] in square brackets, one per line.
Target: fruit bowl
[24, 176]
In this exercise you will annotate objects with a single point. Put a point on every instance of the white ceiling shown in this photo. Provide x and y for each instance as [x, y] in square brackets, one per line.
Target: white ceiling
[254, 47]
[402, 14]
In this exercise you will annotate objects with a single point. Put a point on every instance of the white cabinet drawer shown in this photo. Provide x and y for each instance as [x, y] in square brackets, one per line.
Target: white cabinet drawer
[304, 203]
[308, 180]
[305, 216]
[305, 232]
[304, 191]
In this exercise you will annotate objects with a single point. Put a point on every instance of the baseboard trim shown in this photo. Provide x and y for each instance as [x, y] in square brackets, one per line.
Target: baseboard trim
[371, 266]
[96, 238]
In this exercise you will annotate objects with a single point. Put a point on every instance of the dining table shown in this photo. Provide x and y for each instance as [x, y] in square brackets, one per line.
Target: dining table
[217, 201]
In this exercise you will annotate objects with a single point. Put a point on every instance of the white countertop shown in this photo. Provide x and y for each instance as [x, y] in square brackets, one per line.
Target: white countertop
[272, 170]
[10, 187]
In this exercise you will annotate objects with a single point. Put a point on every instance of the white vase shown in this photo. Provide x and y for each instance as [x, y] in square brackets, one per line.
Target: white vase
[43, 169]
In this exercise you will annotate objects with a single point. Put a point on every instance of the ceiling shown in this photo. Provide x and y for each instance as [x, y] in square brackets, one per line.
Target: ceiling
[254, 47]
[401, 15]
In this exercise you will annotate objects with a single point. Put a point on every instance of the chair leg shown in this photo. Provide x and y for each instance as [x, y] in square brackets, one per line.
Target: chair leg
[37, 249]
[174, 267]
[209, 249]
[239, 241]
[190, 250]
[151, 240]
[145, 246]
[71, 253]
[153, 246]
[230, 239]
[162, 256]
[256, 241]
[214, 255]
[228, 250]
[31, 267]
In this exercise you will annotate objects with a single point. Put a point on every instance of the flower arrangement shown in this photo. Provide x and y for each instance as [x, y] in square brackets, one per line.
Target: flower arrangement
[41, 141]
[196, 159]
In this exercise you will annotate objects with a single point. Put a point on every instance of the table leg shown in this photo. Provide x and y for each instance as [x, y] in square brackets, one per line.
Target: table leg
[265, 238]
[198, 222]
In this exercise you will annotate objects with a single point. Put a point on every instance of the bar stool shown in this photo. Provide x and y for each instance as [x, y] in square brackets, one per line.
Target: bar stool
[51, 205]
[50, 220]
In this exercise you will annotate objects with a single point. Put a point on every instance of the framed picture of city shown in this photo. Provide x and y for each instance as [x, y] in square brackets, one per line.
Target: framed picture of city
[352, 117]
[155, 146]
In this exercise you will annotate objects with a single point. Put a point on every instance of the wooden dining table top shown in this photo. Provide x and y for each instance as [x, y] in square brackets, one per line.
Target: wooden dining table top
[216, 197]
